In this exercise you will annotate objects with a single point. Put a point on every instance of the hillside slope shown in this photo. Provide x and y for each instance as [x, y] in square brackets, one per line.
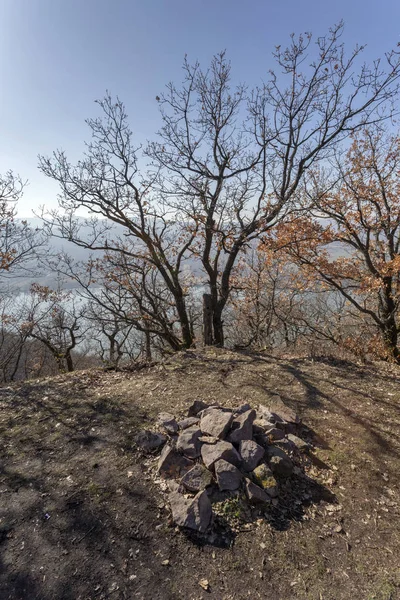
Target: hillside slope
[82, 518]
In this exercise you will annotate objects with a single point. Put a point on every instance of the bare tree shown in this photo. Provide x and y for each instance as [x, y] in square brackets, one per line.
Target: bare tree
[20, 244]
[234, 160]
[53, 318]
[136, 224]
[227, 165]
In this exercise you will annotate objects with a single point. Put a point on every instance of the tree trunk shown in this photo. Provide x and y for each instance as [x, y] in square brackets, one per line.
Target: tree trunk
[187, 337]
[218, 326]
[207, 320]
[148, 345]
[68, 359]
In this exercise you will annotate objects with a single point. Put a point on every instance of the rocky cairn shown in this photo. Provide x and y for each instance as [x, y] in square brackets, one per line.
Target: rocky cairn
[216, 450]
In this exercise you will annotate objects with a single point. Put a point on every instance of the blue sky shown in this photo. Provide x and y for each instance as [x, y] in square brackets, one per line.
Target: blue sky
[58, 56]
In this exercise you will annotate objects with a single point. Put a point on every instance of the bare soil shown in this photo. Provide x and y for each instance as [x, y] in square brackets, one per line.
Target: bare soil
[82, 518]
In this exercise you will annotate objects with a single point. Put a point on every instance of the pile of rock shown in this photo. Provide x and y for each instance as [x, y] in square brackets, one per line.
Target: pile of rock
[217, 449]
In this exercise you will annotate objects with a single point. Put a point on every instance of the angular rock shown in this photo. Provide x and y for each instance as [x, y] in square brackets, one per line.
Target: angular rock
[148, 441]
[188, 422]
[197, 479]
[259, 428]
[255, 494]
[216, 422]
[188, 442]
[263, 423]
[196, 407]
[274, 434]
[168, 422]
[282, 467]
[284, 412]
[172, 463]
[205, 412]
[251, 454]
[262, 439]
[242, 427]
[298, 442]
[279, 462]
[228, 476]
[192, 513]
[209, 439]
[286, 427]
[264, 478]
[210, 453]
[242, 409]
[265, 415]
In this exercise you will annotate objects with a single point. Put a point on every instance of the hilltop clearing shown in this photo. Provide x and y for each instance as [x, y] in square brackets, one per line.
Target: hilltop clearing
[82, 518]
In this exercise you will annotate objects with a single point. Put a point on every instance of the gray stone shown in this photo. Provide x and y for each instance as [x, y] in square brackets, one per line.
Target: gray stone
[209, 439]
[242, 427]
[251, 454]
[262, 423]
[282, 467]
[172, 463]
[242, 409]
[264, 478]
[196, 407]
[298, 442]
[262, 439]
[274, 434]
[168, 422]
[279, 462]
[216, 422]
[188, 442]
[287, 427]
[205, 412]
[265, 415]
[255, 494]
[228, 476]
[284, 412]
[191, 513]
[197, 479]
[210, 453]
[148, 441]
[188, 422]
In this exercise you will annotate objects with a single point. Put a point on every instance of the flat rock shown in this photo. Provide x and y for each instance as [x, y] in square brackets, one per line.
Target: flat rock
[222, 450]
[148, 441]
[188, 442]
[196, 407]
[168, 422]
[251, 454]
[228, 476]
[216, 422]
[197, 479]
[173, 464]
[265, 479]
[279, 408]
[255, 494]
[191, 513]
[242, 427]
[188, 422]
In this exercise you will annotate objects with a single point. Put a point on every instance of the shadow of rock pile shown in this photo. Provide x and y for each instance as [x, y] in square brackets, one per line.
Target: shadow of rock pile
[214, 453]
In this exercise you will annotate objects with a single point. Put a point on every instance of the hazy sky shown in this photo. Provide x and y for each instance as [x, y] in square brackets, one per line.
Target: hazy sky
[58, 56]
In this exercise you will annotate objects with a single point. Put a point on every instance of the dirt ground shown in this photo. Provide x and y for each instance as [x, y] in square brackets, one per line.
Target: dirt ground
[82, 518]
